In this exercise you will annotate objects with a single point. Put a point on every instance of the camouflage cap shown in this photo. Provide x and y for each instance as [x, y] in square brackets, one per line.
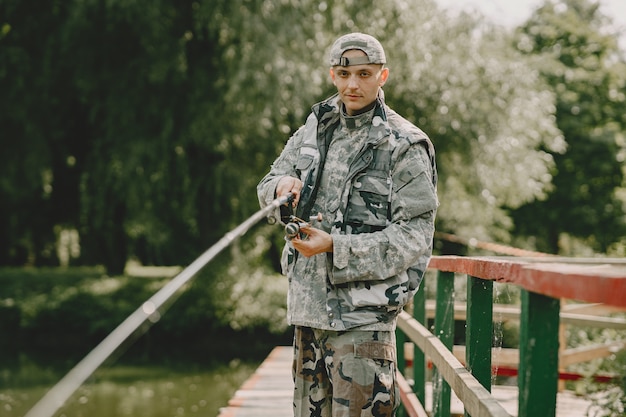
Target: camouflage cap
[366, 43]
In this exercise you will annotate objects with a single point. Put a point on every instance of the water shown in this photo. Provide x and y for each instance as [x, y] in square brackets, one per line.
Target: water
[122, 390]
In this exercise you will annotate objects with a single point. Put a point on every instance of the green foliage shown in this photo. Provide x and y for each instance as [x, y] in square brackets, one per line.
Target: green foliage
[67, 312]
[165, 115]
[608, 399]
[587, 72]
[145, 126]
[488, 112]
[255, 297]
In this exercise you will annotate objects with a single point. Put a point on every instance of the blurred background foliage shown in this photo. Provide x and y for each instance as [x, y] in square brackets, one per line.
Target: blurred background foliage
[138, 129]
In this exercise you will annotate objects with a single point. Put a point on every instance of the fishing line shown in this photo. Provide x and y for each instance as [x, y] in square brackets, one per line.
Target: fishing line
[147, 313]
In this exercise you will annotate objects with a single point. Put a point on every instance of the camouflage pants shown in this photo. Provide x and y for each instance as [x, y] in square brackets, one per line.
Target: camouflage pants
[344, 374]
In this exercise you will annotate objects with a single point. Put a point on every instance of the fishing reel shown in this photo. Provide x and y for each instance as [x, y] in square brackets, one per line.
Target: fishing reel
[293, 226]
[292, 223]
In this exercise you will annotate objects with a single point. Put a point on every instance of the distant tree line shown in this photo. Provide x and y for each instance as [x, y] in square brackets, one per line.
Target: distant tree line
[143, 127]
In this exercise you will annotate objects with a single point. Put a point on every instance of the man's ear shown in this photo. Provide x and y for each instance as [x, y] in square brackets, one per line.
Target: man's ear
[332, 75]
[384, 74]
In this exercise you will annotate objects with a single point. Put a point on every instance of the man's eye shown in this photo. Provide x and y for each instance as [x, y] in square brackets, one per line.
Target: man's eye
[365, 74]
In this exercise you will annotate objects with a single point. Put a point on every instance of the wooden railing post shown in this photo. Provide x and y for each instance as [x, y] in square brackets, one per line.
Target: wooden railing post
[444, 330]
[539, 355]
[479, 330]
[419, 359]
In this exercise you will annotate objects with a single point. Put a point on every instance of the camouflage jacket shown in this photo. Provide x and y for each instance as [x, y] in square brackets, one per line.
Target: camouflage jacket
[379, 210]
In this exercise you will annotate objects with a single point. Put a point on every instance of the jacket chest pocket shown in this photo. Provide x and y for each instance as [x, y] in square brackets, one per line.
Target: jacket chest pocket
[303, 164]
[368, 207]
[304, 170]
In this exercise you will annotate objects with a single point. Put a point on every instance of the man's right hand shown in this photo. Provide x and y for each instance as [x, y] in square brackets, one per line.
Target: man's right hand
[288, 185]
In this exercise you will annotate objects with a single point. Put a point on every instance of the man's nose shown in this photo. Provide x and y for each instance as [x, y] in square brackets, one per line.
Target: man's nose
[352, 82]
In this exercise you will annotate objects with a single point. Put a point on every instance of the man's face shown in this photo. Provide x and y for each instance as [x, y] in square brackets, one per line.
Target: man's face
[358, 84]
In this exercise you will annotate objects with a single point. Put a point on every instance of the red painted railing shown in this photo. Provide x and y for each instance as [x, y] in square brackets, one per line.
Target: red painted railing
[595, 280]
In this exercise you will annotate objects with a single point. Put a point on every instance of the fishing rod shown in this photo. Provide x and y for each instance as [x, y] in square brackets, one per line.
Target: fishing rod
[54, 399]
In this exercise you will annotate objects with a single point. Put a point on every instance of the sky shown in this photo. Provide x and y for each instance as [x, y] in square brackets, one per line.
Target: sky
[514, 12]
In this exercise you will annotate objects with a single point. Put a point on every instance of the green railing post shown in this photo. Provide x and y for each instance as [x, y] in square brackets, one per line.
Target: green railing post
[401, 360]
[479, 330]
[539, 355]
[419, 359]
[444, 330]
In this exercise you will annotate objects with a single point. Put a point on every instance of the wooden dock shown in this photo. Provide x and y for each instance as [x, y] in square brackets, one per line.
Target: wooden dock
[268, 392]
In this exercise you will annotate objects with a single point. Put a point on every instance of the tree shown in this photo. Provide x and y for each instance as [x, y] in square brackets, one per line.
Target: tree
[587, 72]
[36, 171]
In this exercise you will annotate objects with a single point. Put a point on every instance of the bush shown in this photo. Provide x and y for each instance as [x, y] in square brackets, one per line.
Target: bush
[64, 313]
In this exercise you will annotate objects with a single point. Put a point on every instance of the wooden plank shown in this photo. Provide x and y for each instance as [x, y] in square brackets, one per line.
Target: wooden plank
[478, 401]
[494, 247]
[584, 320]
[502, 312]
[585, 317]
[410, 403]
[508, 358]
[592, 283]
[591, 308]
[601, 280]
[586, 353]
[500, 357]
[268, 392]
[568, 403]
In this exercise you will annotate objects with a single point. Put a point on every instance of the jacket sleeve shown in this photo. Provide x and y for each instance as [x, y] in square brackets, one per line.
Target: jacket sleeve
[284, 165]
[408, 238]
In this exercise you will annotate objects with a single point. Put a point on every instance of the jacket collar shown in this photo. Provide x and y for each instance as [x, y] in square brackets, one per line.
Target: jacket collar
[328, 113]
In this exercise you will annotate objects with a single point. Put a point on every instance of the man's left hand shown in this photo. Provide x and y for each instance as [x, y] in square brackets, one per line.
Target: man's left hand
[317, 241]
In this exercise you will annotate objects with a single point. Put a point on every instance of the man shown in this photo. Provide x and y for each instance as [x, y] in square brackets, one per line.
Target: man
[371, 174]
